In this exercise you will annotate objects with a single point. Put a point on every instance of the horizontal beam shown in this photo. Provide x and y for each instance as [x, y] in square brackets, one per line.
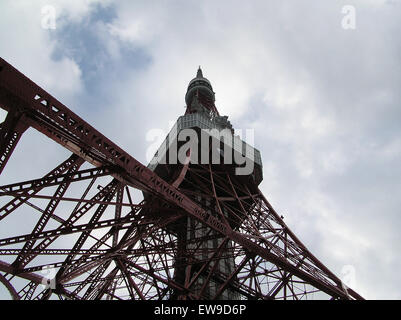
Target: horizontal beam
[68, 230]
[6, 267]
[51, 252]
[48, 181]
[90, 201]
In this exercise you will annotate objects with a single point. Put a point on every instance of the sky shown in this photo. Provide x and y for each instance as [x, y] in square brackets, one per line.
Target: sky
[323, 97]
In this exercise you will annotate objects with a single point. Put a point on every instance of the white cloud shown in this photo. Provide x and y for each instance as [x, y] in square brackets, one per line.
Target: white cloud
[29, 47]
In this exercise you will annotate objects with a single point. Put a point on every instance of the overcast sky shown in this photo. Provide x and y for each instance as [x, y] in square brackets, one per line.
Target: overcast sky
[324, 102]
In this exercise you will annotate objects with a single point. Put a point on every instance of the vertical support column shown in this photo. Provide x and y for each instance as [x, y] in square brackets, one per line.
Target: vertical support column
[119, 200]
[11, 131]
[180, 263]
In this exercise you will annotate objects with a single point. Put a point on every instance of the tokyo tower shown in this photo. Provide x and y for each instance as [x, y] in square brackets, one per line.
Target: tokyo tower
[190, 225]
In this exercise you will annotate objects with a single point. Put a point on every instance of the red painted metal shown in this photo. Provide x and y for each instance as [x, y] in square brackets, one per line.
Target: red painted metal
[141, 251]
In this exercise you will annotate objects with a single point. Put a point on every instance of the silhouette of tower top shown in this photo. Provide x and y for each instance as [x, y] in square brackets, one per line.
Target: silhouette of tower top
[199, 73]
[200, 95]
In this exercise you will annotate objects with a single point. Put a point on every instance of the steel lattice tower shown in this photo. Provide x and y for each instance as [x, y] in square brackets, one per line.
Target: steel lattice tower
[105, 226]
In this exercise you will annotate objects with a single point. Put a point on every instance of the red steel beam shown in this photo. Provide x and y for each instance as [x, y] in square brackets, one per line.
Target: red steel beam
[48, 181]
[10, 132]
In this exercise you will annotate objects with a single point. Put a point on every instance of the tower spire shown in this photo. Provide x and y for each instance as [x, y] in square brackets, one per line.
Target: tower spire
[199, 74]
